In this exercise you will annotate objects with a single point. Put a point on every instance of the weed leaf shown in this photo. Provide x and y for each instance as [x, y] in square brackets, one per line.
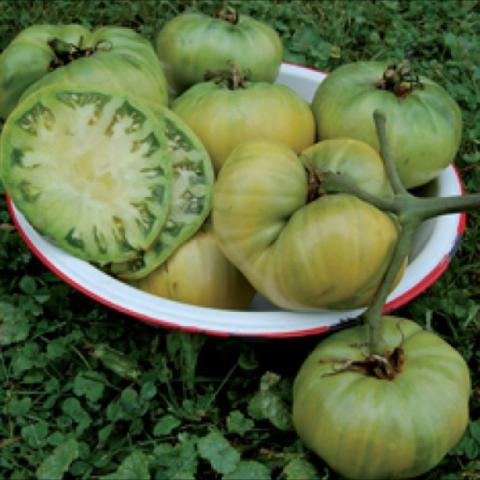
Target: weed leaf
[89, 384]
[14, 325]
[300, 469]
[55, 465]
[179, 462]
[238, 423]
[133, 467]
[216, 449]
[166, 425]
[249, 470]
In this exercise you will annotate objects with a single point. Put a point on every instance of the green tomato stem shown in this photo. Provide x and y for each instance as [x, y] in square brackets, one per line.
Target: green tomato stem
[403, 204]
[432, 207]
[410, 211]
[336, 182]
[232, 78]
[386, 154]
[373, 316]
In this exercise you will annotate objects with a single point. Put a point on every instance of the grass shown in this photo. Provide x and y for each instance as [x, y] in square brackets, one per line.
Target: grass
[96, 394]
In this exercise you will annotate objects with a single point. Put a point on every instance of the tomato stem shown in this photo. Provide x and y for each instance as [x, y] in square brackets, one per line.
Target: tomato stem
[385, 153]
[229, 14]
[432, 207]
[399, 80]
[314, 183]
[233, 78]
[373, 316]
[410, 211]
[66, 52]
[336, 182]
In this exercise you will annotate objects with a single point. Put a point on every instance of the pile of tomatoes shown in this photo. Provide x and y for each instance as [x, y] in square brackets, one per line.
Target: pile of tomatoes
[189, 173]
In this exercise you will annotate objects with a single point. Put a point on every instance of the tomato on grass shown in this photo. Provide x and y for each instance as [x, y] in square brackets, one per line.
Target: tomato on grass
[373, 425]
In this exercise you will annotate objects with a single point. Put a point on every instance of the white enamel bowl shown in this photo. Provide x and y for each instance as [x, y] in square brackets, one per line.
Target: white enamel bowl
[434, 245]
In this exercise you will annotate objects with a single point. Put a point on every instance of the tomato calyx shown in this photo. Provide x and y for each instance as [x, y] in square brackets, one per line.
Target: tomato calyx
[66, 52]
[229, 14]
[314, 182]
[399, 79]
[233, 78]
[381, 367]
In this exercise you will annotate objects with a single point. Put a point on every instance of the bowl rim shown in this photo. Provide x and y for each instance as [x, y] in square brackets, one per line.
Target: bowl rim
[419, 287]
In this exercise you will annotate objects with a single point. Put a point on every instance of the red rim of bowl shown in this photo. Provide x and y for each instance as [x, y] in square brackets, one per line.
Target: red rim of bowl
[407, 296]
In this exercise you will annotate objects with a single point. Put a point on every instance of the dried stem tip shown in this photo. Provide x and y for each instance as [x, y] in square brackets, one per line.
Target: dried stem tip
[399, 79]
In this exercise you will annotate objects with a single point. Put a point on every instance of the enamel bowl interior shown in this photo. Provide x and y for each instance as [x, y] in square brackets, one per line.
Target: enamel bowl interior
[434, 244]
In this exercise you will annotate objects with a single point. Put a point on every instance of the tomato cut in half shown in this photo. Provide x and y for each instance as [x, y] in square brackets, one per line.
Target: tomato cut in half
[192, 189]
[88, 169]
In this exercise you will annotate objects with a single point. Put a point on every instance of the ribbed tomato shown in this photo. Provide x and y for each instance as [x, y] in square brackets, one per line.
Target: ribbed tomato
[424, 122]
[303, 250]
[192, 44]
[112, 57]
[373, 428]
[198, 273]
[225, 114]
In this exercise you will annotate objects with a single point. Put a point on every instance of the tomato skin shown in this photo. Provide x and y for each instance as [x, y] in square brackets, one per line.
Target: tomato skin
[366, 428]
[191, 199]
[328, 253]
[198, 273]
[123, 59]
[423, 128]
[191, 44]
[224, 118]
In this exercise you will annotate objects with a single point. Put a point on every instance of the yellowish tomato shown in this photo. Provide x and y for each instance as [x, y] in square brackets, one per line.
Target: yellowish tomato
[199, 274]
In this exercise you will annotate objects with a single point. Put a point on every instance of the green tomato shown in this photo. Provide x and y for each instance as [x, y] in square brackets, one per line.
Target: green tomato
[299, 251]
[192, 44]
[424, 124]
[224, 117]
[190, 204]
[89, 169]
[112, 57]
[372, 428]
[199, 274]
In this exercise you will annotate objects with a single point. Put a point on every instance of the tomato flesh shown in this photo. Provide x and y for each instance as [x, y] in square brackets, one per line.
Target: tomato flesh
[192, 190]
[89, 169]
